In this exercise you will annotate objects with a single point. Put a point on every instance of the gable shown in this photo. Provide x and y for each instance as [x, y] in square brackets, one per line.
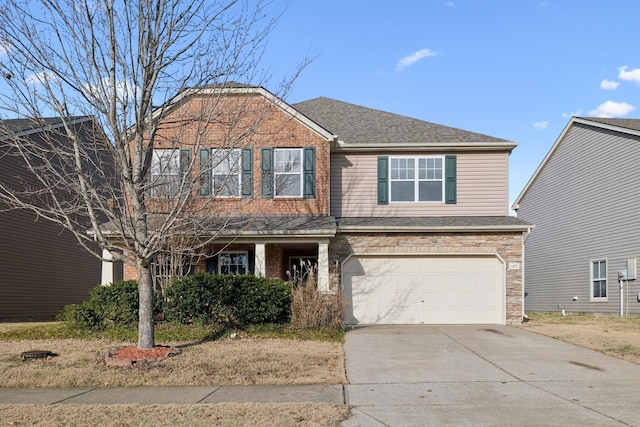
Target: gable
[622, 128]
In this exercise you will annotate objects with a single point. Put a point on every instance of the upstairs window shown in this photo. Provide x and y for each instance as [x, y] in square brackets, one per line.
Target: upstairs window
[287, 172]
[226, 172]
[167, 168]
[599, 280]
[416, 179]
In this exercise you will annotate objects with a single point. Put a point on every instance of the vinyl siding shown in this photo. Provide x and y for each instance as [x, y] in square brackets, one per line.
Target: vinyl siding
[482, 187]
[42, 268]
[584, 204]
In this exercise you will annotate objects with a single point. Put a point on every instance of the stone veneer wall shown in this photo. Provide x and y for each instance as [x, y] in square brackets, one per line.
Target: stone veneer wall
[507, 245]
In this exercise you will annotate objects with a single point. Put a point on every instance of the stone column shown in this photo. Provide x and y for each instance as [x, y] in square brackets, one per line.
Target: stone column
[108, 268]
[323, 267]
[260, 261]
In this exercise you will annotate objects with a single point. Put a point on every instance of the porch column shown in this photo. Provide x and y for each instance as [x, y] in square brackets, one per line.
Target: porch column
[323, 267]
[260, 261]
[107, 268]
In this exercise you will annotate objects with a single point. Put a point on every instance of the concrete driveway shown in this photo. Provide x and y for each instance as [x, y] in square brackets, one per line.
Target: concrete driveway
[423, 375]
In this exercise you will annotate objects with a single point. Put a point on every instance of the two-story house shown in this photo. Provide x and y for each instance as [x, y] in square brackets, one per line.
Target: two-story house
[411, 216]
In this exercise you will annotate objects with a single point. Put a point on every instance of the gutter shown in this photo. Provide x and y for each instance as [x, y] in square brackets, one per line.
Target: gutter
[401, 229]
[448, 147]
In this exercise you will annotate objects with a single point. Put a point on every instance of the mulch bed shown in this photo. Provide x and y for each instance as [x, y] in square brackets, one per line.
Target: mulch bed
[128, 356]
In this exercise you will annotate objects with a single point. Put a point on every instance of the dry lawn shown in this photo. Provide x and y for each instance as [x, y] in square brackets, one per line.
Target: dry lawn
[614, 336]
[229, 361]
[223, 414]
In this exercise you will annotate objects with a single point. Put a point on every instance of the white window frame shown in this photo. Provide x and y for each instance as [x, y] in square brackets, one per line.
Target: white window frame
[594, 278]
[416, 174]
[222, 168]
[165, 172]
[231, 253]
[280, 170]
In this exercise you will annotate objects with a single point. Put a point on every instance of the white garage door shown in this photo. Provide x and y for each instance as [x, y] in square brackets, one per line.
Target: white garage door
[424, 289]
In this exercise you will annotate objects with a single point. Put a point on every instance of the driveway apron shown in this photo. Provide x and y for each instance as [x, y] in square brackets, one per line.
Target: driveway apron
[425, 375]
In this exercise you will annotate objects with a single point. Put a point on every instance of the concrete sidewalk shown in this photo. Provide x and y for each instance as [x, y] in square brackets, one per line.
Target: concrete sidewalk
[333, 394]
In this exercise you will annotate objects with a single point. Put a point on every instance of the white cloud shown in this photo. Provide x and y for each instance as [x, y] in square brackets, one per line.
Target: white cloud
[541, 125]
[40, 78]
[609, 85]
[612, 109]
[413, 58]
[572, 114]
[124, 90]
[630, 75]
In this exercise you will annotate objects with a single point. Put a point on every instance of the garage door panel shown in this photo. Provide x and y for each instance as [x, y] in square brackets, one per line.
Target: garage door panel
[401, 289]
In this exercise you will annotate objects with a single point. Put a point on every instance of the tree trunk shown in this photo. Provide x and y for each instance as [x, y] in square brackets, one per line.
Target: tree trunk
[145, 322]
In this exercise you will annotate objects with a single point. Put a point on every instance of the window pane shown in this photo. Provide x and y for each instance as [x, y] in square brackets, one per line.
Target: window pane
[288, 185]
[402, 191]
[233, 262]
[430, 191]
[603, 270]
[226, 161]
[226, 186]
[287, 160]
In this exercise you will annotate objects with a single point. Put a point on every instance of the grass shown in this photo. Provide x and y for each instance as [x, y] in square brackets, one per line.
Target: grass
[167, 332]
[614, 336]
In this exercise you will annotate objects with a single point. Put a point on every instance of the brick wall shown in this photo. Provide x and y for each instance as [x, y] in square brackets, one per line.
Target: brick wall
[508, 246]
[251, 121]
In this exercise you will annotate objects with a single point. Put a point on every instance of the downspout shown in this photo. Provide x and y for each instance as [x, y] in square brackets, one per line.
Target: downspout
[525, 237]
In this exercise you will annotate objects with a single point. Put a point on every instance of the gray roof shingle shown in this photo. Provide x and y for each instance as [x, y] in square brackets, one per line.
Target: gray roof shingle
[21, 125]
[633, 124]
[355, 124]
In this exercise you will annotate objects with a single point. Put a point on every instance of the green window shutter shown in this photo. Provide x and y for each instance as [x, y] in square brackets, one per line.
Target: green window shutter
[185, 167]
[383, 180]
[205, 172]
[266, 166]
[185, 161]
[247, 173]
[309, 190]
[450, 180]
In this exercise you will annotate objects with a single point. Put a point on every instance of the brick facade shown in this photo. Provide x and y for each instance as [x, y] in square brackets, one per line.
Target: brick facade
[248, 121]
[507, 246]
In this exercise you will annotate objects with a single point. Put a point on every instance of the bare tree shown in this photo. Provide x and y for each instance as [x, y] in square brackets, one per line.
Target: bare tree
[125, 65]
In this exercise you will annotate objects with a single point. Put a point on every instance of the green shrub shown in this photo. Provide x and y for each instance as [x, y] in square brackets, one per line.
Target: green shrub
[116, 304]
[264, 300]
[229, 300]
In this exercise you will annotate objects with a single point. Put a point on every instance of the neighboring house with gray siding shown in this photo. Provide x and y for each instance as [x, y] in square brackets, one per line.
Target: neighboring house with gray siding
[584, 199]
[42, 267]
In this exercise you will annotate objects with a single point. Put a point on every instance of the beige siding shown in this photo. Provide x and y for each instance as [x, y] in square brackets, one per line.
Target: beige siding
[482, 183]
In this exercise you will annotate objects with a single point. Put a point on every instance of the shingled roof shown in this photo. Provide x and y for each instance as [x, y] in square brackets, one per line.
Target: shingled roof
[355, 124]
[16, 126]
[633, 124]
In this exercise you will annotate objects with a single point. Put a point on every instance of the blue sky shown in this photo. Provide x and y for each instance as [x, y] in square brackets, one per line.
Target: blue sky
[516, 70]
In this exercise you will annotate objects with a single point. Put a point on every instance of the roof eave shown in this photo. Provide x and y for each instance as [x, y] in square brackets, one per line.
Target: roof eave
[431, 146]
[432, 229]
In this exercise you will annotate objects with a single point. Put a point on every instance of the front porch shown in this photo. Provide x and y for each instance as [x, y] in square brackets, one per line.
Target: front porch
[267, 247]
